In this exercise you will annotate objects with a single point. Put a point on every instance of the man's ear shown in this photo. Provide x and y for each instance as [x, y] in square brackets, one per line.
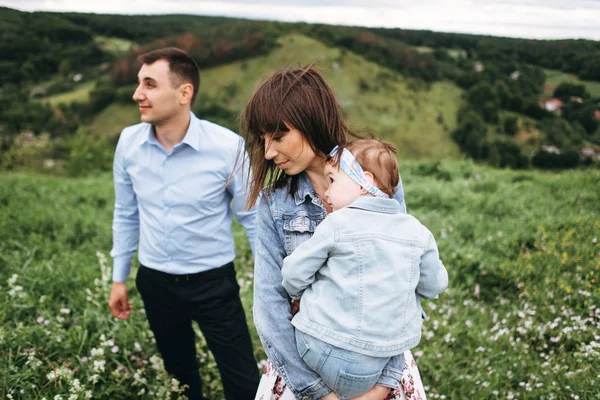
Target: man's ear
[186, 91]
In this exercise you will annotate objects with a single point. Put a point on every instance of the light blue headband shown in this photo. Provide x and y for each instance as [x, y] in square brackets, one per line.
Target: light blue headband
[352, 168]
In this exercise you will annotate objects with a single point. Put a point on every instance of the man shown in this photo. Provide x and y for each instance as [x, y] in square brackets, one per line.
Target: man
[175, 177]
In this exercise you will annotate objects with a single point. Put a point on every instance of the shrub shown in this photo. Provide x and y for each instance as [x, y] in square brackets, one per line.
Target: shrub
[89, 153]
[505, 152]
[545, 159]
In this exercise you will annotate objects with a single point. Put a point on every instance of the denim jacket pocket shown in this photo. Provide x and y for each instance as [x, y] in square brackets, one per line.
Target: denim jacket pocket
[297, 229]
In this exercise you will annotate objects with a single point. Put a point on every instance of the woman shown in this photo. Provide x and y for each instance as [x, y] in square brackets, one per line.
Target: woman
[290, 124]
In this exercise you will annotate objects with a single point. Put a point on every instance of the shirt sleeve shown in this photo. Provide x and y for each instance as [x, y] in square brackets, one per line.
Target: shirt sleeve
[271, 311]
[300, 267]
[126, 222]
[434, 277]
[238, 189]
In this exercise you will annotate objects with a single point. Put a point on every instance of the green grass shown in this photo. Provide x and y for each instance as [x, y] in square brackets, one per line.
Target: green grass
[520, 319]
[111, 121]
[114, 45]
[417, 118]
[81, 94]
[555, 78]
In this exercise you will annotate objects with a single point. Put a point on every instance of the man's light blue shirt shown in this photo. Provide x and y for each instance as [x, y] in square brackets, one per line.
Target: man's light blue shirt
[178, 206]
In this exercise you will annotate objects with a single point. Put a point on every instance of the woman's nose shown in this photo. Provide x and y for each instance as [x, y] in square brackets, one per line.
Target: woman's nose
[270, 151]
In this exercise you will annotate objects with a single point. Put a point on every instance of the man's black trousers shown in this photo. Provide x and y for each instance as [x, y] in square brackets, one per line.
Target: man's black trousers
[210, 298]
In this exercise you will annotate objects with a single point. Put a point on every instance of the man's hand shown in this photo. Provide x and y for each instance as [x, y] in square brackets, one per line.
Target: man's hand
[377, 392]
[119, 301]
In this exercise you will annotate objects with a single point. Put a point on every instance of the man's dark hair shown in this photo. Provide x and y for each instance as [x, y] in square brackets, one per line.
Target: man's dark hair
[181, 65]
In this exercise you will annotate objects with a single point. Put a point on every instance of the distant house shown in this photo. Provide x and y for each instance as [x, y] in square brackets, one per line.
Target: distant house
[597, 114]
[515, 75]
[551, 149]
[576, 99]
[478, 66]
[77, 77]
[37, 92]
[553, 105]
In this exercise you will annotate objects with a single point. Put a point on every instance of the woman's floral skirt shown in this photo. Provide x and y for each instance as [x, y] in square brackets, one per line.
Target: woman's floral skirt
[273, 387]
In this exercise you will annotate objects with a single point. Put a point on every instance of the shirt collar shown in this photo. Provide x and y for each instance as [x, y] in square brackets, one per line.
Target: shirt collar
[191, 138]
[388, 206]
[304, 189]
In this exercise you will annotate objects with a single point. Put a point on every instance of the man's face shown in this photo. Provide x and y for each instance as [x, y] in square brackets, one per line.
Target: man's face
[156, 95]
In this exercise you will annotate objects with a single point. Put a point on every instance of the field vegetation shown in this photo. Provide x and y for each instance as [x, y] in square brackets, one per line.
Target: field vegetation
[520, 319]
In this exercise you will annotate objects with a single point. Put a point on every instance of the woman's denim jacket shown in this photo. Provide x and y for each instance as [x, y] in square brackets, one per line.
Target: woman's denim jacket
[284, 221]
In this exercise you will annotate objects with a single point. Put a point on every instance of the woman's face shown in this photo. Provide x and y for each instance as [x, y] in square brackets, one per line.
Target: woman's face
[291, 152]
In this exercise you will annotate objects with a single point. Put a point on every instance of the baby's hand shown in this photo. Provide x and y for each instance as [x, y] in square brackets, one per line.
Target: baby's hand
[295, 307]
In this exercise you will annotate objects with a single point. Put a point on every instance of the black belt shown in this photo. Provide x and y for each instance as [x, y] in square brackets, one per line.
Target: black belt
[215, 273]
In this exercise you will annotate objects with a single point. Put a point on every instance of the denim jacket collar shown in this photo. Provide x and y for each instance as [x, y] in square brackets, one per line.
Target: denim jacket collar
[305, 188]
[387, 206]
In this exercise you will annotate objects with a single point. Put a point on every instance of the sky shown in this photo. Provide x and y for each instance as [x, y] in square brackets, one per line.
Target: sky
[536, 19]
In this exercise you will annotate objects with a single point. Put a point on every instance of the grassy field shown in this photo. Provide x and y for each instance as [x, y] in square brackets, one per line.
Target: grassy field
[114, 45]
[80, 94]
[111, 121]
[555, 78]
[520, 319]
[418, 118]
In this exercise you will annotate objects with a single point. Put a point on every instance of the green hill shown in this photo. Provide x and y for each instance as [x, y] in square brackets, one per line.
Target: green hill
[415, 116]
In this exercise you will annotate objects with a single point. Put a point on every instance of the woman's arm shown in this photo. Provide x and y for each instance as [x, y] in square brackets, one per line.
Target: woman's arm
[272, 311]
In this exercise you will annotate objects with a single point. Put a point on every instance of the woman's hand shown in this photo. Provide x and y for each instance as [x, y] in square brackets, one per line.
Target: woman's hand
[377, 392]
[295, 307]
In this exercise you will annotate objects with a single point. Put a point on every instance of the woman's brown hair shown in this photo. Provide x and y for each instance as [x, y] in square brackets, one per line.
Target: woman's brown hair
[298, 98]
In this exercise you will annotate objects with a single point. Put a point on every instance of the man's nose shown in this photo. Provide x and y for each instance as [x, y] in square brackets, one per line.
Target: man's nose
[138, 95]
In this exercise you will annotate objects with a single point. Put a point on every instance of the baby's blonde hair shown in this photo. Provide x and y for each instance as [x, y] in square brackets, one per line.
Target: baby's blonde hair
[379, 158]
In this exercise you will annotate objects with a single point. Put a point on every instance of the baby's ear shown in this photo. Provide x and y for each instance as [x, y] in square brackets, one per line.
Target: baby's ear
[370, 179]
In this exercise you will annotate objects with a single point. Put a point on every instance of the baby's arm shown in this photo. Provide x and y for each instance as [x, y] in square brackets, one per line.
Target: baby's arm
[434, 277]
[300, 267]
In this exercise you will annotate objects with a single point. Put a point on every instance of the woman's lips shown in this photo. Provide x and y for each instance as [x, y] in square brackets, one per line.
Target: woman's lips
[282, 165]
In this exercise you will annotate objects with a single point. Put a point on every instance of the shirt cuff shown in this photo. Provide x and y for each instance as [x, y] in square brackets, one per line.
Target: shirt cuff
[121, 268]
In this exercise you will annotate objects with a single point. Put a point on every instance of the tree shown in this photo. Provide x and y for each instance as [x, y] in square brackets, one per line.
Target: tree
[484, 100]
[505, 152]
[583, 113]
[470, 135]
[566, 90]
[510, 125]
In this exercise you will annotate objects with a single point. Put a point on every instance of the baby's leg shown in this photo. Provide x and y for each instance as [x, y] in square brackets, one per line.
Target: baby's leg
[347, 373]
